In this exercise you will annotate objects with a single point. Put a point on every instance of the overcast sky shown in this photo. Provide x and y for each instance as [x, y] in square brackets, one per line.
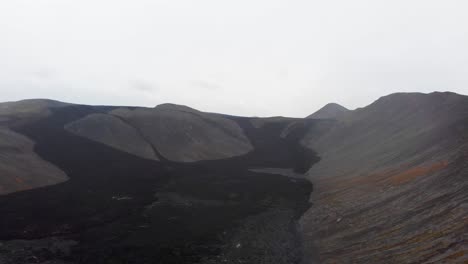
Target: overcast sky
[244, 57]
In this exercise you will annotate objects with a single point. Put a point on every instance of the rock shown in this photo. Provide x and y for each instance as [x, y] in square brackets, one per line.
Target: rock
[183, 134]
[114, 132]
[21, 168]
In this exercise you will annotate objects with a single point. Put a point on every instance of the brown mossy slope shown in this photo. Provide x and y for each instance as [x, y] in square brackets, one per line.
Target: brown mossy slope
[392, 184]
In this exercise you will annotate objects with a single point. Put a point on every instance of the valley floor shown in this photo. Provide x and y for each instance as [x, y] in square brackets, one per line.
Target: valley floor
[119, 208]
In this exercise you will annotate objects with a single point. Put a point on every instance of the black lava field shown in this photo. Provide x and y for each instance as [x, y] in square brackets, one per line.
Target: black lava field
[119, 208]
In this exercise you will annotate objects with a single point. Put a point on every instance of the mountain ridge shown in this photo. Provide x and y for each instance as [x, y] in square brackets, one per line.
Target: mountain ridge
[401, 154]
[381, 175]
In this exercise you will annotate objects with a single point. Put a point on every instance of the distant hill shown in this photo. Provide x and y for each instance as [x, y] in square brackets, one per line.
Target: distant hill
[28, 107]
[329, 111]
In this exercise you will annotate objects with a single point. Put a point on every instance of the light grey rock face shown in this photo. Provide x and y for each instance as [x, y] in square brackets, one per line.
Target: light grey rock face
[183, 134]
[20, 167]
[114, 132]
[330, 111]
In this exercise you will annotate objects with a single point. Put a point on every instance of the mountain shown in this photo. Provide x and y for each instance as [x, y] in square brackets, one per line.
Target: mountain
[392, 173]
[176, 133]
[329, 111]
[186, 135]
[171, 184]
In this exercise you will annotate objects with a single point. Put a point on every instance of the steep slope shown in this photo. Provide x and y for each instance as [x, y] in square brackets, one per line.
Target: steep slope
[167, 132]
[183, 134]
[329, 111]
[391, 182]
[114, 132]
[20, 167]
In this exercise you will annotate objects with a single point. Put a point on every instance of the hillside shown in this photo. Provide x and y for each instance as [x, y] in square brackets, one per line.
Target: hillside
[391, 182]
[169, 132]
[20, 167]
[386, 183]
[186, 135]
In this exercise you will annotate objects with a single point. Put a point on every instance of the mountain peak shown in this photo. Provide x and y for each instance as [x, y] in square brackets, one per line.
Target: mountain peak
[329, 111]
[175, 107]
[419, 101]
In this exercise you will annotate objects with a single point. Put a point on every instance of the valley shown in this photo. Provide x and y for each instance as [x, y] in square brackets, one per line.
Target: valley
[386, 183]
[121, 208]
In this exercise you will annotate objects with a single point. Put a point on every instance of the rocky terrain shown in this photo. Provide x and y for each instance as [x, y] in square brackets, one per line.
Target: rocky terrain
[114, 132]
[391, 186]
[120, 206]
[171, 184]
[172, 132]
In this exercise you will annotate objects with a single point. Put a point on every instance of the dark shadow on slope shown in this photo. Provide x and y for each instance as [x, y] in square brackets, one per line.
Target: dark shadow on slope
[273, 148]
